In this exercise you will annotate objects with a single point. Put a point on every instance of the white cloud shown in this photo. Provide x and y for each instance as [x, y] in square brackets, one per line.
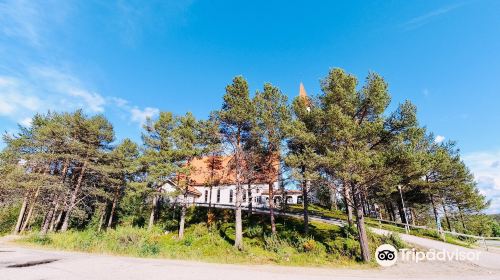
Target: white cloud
[439, 139]
[14, 97]
[26, 122]
[422, 20]
[67, 84]
[30, 20]
[47, 88]
[486, 169]
[140, 116]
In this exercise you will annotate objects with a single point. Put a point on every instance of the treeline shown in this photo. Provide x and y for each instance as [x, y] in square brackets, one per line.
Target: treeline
[65, 170]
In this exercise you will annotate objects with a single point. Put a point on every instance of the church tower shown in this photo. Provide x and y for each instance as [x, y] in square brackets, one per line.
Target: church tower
[302, 91]
[303, 96]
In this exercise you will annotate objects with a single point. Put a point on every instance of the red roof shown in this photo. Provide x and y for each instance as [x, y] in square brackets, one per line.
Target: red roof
[220, 170]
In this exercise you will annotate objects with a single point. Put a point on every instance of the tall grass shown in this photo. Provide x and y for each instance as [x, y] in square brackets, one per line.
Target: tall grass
[326, 245]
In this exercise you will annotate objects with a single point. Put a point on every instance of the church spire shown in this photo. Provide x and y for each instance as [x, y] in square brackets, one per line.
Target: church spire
[303, 96]
[302, 91]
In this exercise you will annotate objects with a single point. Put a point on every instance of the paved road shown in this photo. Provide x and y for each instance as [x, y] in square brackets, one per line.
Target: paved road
[78, 266]
[25, 263]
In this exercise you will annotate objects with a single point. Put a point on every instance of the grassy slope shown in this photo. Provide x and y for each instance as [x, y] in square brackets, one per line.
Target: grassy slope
[326, 245]
[323, 212]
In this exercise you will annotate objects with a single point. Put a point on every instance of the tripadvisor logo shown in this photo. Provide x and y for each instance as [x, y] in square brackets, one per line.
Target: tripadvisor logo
[386, 255]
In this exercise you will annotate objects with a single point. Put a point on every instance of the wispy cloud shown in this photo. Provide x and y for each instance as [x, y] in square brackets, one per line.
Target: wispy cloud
[140, 116]
[70, 86]
[422, 20]
[486, 169]
[30, 20]
[46, 88]
[439, 139]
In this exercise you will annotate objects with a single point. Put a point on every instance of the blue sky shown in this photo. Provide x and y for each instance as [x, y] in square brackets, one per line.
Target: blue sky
[132, 59]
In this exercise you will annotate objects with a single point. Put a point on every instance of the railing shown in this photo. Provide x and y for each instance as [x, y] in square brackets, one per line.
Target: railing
[442, 233]
[407, 227]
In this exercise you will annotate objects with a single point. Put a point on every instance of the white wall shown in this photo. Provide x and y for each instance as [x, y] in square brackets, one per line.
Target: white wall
[225, 193]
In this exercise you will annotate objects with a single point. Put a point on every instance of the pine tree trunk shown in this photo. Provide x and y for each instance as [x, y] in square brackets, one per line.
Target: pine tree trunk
[57, 225]
[30, 211]
[49, 216]
[74, 196]
[360, 222]
[113, 206]
[153, 212]
[436, 216]
[54, 217]
[333, 198]
[250, 200]
[271, 208]
[183, 216]
[363, 204]
[348, 207]
[238, 240]
[462, 218]
[101, 218]
[413, 217]
[22, 211]
[305, 205]
[401, 212]
[446, 216]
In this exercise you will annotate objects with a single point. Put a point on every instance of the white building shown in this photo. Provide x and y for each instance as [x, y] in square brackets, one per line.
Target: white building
[223, 189]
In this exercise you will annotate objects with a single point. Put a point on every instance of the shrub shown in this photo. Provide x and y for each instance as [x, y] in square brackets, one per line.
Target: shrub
[254, 231]
[8, 218]
[149, 249]
[348, 231]
[199, 230]
[395, 240]
[275, 244]
[309, 245]
[346, 247]
[40, 239]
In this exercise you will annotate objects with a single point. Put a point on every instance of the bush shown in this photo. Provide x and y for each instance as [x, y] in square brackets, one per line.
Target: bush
[8, 218]
[254, 231]
[275, 244]
[395, 240]
[346, 247]
[40, 239]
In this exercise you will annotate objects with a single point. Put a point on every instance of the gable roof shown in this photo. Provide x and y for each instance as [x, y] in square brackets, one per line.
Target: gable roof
[220, 170]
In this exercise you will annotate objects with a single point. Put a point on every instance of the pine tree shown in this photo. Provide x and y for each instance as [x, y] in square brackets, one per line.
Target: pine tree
[188, 146]
[235, 119]
[272, 120]
[158, 162]
[355, 133]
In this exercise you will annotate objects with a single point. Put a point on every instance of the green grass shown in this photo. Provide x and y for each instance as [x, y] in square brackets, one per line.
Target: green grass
[325, 245]
[337, 214]
[427, 233]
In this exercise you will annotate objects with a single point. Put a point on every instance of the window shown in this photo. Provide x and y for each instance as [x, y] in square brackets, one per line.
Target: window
[206, 196]
[299, 199]
[218, 195]
[230, 196]
[249, 195]
[244, 196]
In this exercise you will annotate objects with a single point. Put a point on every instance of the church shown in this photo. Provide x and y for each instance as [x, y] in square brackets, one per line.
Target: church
[213, 182]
